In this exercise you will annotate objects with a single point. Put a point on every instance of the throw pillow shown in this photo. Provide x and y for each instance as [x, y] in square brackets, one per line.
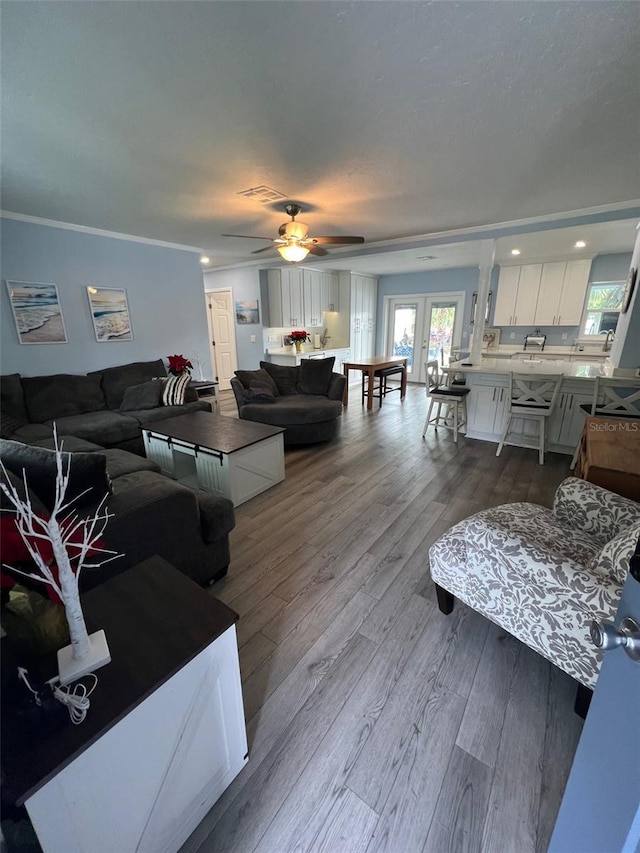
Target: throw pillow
[88, 479]
[175, 388]
[286, 378]
[246, 377]
[8, 425]
[315, 375]
[258, 392]
[144, 396]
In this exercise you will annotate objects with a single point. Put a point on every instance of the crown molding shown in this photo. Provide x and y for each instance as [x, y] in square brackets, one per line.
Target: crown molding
[96, 232]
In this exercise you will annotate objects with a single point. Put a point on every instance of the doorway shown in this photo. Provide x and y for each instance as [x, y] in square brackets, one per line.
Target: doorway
[222, 335]
[424, 328]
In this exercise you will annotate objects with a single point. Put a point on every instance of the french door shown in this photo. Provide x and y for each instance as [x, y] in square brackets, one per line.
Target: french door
[424, 328]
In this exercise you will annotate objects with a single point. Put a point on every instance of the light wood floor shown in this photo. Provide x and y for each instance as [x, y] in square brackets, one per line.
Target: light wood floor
[374, 721]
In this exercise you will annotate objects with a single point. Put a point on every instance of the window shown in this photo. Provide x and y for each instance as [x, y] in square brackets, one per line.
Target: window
[604, 302]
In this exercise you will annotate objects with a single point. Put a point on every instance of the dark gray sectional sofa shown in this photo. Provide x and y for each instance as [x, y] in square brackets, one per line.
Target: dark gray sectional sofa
[152, 514]
[87, 407]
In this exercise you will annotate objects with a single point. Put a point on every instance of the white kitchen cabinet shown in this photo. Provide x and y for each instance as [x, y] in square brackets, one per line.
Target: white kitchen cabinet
[312, 287]
[507, 295]
[285, 297]
[551, 284]
[567, 421]
[487, 406]
[574, 292]
[364, 297]
[527, 298]
[563, 288]
[517, 295]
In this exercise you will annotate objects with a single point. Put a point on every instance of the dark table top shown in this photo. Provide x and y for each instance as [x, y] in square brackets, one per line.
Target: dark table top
[216, 432]
[156, 620]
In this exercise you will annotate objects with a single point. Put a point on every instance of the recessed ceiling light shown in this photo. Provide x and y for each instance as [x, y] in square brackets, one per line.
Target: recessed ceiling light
[515, 251]
[580, 244]
[204, 260]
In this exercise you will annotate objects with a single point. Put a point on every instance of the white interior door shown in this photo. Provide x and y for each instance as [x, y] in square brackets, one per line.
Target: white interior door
[223, 335]
[424, 328]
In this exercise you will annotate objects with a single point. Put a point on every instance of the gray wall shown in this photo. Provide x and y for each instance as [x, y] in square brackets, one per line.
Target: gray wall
[245, 284]
[625, 351]
[164, 290]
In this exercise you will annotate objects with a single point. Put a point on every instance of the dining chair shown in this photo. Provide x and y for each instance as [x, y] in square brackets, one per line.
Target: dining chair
[453, 397]
[531, 397]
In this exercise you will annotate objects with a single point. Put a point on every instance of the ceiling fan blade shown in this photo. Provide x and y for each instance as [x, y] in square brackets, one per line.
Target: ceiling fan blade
[246, 236]
[338, 240]
[266, 249]
[315, 250]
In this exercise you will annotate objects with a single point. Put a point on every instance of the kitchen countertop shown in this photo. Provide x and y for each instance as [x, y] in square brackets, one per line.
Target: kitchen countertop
[569, 369]
[305, 350]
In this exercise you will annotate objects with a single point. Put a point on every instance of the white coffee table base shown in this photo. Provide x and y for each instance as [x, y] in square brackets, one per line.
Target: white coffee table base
[239, 475]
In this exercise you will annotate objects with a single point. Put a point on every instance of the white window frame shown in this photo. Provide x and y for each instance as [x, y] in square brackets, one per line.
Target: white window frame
[583, 319]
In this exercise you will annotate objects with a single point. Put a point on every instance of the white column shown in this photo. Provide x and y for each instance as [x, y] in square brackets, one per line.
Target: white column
[625, 351]
[487, 255]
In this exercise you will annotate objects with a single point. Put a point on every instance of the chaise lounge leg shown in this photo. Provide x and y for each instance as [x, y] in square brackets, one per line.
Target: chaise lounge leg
[445, 600]
[218, 576]
[583, 700]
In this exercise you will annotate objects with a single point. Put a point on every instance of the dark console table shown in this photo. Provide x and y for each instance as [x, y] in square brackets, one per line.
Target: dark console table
[164, 736]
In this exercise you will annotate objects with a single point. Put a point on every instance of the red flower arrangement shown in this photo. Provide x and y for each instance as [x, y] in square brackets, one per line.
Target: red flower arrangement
[178, 364]
[299, 337]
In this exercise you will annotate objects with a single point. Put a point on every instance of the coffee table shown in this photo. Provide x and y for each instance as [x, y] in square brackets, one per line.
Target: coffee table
[235, 458]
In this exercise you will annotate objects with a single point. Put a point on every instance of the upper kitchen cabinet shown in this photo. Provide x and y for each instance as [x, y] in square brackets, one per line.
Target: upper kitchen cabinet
[285, 297]
[298, 296]
[517, 295]
[562, 293]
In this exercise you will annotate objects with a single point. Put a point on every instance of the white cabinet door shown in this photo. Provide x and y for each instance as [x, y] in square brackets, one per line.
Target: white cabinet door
[274, 285]
[527, 298]
[312, 297]
[551, 283]
[507, 294]
[292, 299]
[330, 292]
[574, 291]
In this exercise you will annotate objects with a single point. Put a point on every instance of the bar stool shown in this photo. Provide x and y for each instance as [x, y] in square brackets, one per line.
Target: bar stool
[532, 397]
[453, 397]
[616, 397]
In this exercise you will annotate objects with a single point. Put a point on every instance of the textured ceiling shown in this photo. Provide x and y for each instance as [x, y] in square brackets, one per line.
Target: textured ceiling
[385, 119]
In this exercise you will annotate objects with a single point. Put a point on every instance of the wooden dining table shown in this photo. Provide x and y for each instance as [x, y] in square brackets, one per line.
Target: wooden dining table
[369, 366]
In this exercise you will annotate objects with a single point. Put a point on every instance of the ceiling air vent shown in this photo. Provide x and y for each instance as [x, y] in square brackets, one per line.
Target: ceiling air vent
[263, 194]
[427, 258]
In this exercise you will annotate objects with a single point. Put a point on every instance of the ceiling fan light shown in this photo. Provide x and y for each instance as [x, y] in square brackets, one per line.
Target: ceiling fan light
[293, 252]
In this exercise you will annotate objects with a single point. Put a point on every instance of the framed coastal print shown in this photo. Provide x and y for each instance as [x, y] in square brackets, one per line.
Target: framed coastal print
[110, 314]
[37, 312]
[247, 312]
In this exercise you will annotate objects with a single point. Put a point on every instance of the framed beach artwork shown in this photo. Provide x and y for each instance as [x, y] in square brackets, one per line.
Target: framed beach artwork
[37, 312]
[110, 314]
[247, 312]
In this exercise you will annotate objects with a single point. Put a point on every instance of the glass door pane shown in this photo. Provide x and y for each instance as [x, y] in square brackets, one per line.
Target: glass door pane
[403, 331]
[442, 318]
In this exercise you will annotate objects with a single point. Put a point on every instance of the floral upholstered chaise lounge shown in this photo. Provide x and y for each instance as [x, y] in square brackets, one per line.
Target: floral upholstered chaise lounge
[543, 574]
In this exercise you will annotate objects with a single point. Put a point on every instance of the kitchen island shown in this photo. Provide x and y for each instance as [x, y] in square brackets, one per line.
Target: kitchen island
[488, 403]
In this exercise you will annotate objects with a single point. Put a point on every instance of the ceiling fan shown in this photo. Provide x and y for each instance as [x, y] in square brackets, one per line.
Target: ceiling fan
[293, 240]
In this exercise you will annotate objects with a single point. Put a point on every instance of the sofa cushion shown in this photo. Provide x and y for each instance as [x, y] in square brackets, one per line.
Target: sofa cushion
[315, 375]
[121, 462]
[217, 517]
[115, 380]
[163, 412]
[246, 377]
[8, 425]
[61, 395]
[102, 427]
[12, 397]
[88, 480]
[143, 396]
[293, 409]
[258, 392]
[286, 378]
[28, 433]
[69, 443]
